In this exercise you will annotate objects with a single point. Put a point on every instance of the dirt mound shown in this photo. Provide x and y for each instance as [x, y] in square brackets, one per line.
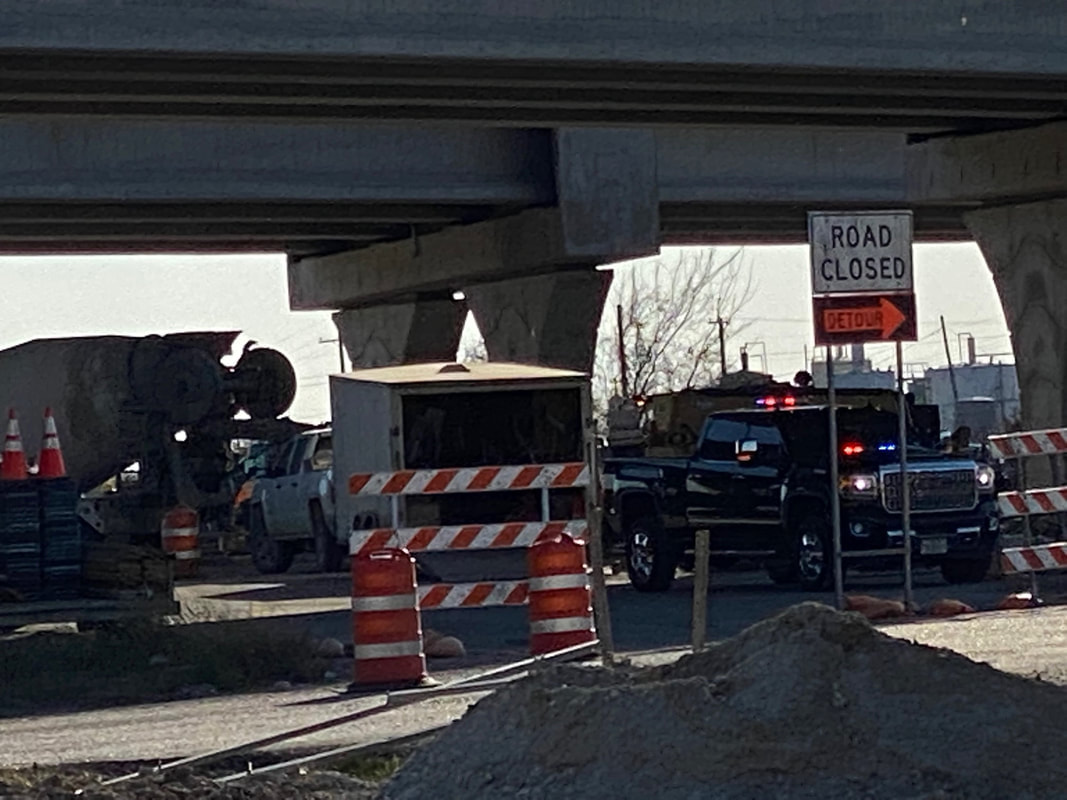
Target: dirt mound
[809, 704]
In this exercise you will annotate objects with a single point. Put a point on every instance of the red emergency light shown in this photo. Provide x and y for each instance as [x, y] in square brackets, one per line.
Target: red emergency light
[852, 448]
[770, 401]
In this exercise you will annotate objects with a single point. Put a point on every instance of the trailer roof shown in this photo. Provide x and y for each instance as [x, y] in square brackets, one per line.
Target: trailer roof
[477, 372]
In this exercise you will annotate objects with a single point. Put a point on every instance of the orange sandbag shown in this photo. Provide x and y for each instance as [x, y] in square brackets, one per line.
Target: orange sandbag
[948, 608]
[1018, 600]
[874, 607]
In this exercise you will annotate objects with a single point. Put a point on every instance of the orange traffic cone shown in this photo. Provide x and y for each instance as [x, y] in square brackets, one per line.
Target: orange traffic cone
[50, 464]
[13, 466]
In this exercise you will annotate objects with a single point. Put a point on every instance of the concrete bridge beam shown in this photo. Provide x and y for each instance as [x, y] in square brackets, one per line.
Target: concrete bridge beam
[530, 278]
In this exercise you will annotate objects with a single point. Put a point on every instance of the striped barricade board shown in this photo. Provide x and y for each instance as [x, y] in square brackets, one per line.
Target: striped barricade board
[463, 537]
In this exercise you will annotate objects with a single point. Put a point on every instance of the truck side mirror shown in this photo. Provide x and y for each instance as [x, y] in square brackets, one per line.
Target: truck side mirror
[746, 450]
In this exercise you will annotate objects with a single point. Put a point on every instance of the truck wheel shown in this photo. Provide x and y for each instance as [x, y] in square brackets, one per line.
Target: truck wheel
[964, 570]
[329, 555]
[269, 556]
[814, 553]
[651, 557]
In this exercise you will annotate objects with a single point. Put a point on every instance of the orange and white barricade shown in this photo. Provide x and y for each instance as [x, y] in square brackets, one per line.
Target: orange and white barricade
[1031, 557]
[386, 623]
[542, 477]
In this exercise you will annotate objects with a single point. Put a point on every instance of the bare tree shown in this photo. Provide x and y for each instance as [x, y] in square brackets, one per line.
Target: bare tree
[669, 330]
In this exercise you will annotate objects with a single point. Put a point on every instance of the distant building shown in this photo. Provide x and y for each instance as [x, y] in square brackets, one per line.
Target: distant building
[852, 370]
[988, 395]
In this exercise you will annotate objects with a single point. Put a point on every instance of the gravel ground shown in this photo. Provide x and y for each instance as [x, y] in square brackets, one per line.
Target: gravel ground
[62, 782]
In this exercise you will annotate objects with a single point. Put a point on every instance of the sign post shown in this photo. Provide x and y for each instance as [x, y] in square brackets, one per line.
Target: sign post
[863, 291]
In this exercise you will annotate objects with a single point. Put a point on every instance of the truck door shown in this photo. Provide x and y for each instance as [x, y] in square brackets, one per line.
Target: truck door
[758, 482]
[734, 484]
[710, 485]
[285, 509]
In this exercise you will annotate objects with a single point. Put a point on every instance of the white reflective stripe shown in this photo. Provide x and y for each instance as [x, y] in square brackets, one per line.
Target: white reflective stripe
[169, 533]
[579, 581]
[390, 602]
[183, 555]
[1016, 561]
[393, 650]
[1044, 554]
[562, 625]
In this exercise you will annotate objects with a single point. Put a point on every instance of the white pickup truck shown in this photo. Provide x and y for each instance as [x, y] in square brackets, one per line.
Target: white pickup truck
[292, 506]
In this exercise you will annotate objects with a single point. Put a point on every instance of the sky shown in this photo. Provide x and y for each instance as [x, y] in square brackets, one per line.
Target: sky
[133, 295]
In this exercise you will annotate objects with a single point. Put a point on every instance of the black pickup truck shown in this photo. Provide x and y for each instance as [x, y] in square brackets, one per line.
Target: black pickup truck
[759, 481]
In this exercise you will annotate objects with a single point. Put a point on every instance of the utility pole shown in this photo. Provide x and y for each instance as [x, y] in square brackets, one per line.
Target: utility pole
[622, 352]
[722, 344]
[951, 376]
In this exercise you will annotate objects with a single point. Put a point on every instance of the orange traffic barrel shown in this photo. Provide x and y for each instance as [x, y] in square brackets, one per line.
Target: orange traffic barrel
[560, 599]
[386, 623]
[13, 464]
[179, 536]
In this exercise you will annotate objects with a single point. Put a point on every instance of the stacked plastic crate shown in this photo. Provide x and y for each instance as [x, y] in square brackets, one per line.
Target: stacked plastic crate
[61, 562]
[20, 537]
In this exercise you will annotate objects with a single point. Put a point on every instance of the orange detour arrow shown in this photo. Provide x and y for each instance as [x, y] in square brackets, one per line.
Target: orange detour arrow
[884, 318]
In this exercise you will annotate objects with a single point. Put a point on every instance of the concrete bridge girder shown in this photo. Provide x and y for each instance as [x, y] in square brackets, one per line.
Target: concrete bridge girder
[530, 279]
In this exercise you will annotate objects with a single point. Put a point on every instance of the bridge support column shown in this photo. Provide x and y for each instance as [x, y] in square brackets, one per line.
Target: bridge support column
[1025, 247]
[549, 320]
[1014, 188]
[402, 333]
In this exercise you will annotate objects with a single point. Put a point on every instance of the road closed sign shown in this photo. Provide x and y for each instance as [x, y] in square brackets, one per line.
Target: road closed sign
[866, 251]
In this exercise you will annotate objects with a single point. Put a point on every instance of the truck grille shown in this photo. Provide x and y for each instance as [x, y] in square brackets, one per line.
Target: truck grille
[934, 490]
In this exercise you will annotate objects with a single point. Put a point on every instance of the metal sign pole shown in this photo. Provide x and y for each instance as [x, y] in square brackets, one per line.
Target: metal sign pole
[835, 489]
[905, 488]
[1028, 531]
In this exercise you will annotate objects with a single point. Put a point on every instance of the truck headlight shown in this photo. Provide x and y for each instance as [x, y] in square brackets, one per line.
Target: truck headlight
[985, 476]
[860, 485]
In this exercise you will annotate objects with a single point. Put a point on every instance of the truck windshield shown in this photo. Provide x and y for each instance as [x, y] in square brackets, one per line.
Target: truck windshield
[872, 430]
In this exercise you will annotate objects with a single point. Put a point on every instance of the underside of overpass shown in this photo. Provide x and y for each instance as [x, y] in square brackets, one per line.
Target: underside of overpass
[400, 155]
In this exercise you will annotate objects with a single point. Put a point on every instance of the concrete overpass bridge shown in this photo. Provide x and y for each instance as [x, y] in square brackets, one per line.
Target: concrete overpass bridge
[400, 151]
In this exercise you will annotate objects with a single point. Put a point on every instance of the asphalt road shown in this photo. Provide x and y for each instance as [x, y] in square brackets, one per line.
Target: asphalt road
[1032, 642]
[640, 621]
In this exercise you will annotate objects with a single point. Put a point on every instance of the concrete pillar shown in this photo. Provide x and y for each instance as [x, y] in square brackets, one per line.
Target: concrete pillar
[549, 320]
[1025, 246]
[402, 333]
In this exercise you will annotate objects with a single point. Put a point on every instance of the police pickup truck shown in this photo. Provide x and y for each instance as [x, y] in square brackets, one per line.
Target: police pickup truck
[759, 481]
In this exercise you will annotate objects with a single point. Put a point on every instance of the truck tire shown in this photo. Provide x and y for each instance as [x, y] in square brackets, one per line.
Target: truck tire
[269, 555]
[329, 554]
[813, 551]
[965, 570]
[651, 556]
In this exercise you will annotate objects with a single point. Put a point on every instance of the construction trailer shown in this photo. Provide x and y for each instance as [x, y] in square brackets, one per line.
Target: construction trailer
[440, 416]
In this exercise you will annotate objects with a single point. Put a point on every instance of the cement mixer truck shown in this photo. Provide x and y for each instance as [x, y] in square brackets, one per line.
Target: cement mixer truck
[146, 423]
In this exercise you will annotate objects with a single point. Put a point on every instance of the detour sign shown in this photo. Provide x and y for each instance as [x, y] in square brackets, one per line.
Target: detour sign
[852, 319]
